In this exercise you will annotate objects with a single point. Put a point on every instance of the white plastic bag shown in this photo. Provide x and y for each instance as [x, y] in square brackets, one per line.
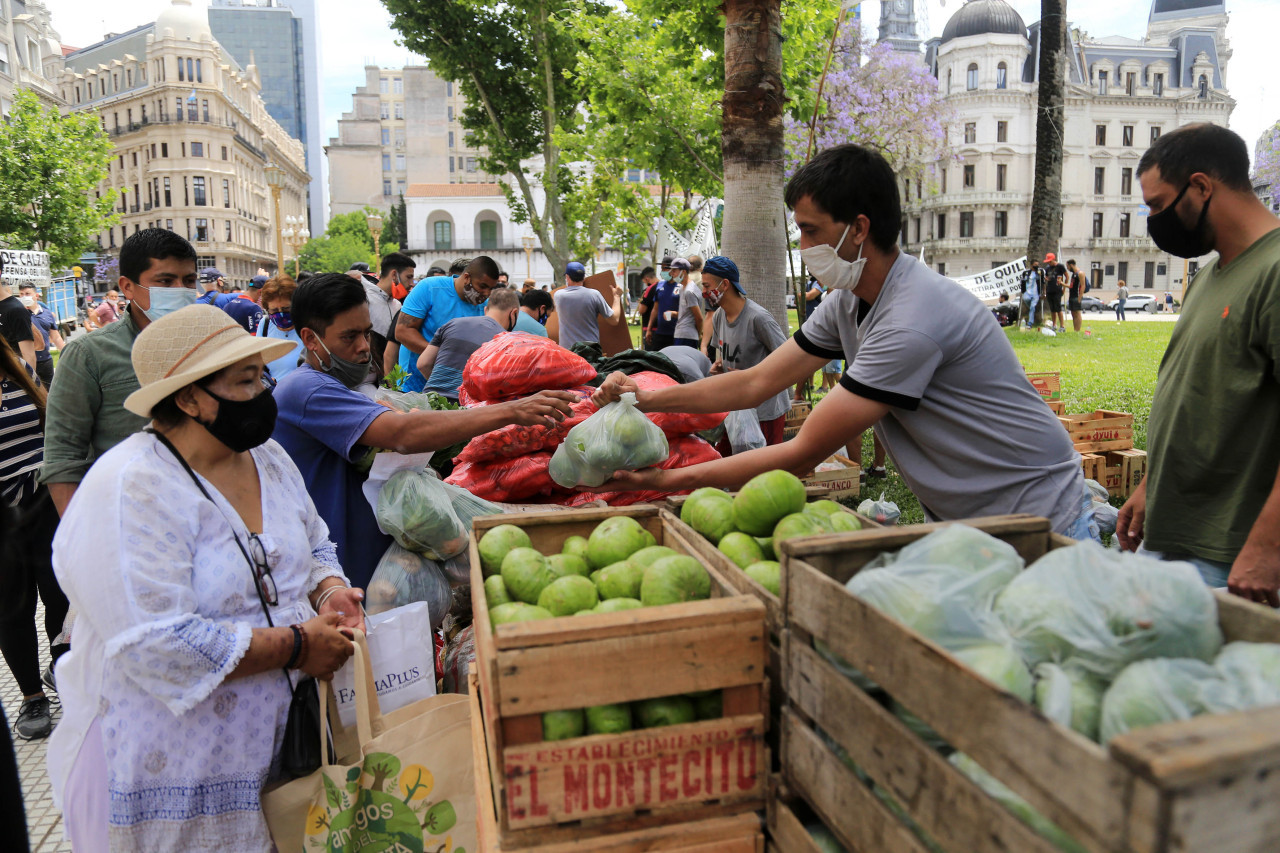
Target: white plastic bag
[617, 438]
[416, 508]
[881, 511]
[742, 427]
[402, 653]
[403, 577]
[1070, 696]
[1162, 690]
[1102, 610]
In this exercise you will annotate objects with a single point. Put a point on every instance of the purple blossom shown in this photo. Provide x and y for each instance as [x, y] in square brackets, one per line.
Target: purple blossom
[1266, 159]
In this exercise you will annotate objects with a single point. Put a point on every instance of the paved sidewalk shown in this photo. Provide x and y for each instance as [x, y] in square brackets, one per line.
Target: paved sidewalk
[44, 822]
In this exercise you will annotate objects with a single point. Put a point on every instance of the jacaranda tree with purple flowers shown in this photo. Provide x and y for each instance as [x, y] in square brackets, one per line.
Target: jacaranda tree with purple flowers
[1266, 159]
[880, 98]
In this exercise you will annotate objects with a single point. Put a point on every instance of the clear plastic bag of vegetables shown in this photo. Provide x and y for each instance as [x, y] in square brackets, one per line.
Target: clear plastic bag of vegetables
[617, 438]
[1102, 610]
[1021, 809]
[1253, 671]
[1162, 690]
[403, 577]
[416, 509]
[1070, 696]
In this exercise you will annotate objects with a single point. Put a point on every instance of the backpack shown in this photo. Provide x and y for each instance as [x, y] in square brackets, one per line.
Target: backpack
[1087, 287]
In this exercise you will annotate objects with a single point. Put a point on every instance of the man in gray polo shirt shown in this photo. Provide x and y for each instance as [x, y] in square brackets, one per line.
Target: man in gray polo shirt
[926, 367]
[579, 308]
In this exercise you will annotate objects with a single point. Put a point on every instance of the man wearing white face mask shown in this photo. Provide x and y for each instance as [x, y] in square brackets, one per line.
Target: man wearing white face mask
[925, 366]
[86, 415]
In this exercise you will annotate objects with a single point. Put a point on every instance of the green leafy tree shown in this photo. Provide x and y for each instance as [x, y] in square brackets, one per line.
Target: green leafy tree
[50, 165]
[393, 227]
[347, 240]
[511, 62]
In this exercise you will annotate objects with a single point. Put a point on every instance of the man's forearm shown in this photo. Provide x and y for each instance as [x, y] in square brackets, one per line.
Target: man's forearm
[733, 472]
[1265, 532]
[62, 494]
[27, 349]
[408, 336]
[431, 430]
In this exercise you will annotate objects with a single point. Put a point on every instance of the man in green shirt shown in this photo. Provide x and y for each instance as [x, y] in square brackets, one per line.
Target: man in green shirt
[86, 416]
[1212, 492]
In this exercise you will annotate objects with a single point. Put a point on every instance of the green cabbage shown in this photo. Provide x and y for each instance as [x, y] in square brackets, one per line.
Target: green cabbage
[1021, 809]
[1253, 671]
[1161, 690]
[1070, 696]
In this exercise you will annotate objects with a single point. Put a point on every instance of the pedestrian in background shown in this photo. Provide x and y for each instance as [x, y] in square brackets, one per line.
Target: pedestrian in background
[437, 301]
[109, 311]
[277, 304]
[46, 323]
[1122, 296]
[535, 309]
[443, 360]
[27, 556]
[660, 327]
[1032, 284]
[580, 308]
[689, 317]
[649, 281]
[1075, 293]
[16, 326]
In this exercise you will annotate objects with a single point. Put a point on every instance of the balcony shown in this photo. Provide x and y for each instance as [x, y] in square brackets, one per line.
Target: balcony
[967, 198]
[1002, 245]
[1137, 244]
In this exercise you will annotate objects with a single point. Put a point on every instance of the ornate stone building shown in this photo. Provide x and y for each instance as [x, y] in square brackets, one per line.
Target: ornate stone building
[30, 52]
[192, 139]
[1121, 94]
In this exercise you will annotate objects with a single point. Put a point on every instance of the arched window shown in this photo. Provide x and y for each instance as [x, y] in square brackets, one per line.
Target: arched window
[1002, 76]
[971, 77]
[443, 235]
[1204, 86]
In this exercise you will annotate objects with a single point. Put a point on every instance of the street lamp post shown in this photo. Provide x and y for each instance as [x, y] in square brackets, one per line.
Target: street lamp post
[527, 240]
[374, 221]
[275, 179]
[295, 236]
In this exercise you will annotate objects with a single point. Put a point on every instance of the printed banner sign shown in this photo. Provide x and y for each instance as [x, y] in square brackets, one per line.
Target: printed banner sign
[589, 777]
[670, 243]
[989, 285]
[23, 267]
[704, 241]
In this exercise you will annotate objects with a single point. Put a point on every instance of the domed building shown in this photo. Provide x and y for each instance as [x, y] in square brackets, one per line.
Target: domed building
[1121, 94]
[192, 140]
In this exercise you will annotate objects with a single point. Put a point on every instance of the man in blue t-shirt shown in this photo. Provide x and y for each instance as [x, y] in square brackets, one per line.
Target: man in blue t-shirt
[46, 322]
[327, 428]
[660, 329]
[535, 307]
[435, 302]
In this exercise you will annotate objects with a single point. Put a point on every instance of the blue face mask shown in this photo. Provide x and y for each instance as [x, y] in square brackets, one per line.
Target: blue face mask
[166, 300]
[282, 319]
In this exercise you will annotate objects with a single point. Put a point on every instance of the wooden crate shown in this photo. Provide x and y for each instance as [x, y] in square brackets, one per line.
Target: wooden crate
[1206, 785]
[738, 833]
[541, 789]
[1058, 407]
[1093, 465]
[1101, 430]
[1047, 384]
[799, 411]
[1133, 468]
[843, 483]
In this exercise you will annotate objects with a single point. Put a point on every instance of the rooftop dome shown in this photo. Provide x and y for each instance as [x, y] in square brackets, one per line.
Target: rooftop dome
[978, 17]
[184, 21]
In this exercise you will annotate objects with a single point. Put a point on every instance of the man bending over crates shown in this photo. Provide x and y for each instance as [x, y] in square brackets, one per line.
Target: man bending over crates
[925, 366]
[1212, 492]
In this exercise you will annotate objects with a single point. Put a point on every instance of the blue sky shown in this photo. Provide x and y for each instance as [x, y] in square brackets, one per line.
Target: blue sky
[353, 32]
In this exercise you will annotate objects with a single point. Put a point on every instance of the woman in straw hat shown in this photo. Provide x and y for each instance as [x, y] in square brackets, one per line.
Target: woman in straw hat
[178, 543]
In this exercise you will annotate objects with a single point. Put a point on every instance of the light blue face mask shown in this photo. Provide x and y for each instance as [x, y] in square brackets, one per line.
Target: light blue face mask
[166, 300]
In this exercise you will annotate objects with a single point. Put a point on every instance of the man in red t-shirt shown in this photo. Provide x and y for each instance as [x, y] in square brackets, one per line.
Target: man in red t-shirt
[649, 278]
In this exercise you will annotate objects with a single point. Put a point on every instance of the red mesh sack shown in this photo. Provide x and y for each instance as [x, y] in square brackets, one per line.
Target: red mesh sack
[515, 363]
[506, 480]
[675, 424]
[685, 451]
[515, 440]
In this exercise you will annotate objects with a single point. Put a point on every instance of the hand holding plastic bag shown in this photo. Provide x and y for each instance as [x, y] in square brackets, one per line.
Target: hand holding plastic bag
[403, 577]
[617, 438]
[417, 510]
[742, 428]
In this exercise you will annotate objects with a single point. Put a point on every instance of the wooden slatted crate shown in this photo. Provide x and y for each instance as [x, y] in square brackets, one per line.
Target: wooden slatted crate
[1206, 785]
[554, 792]
[739, 833]
[1047, 384]
[843, 482]
[1092, 432]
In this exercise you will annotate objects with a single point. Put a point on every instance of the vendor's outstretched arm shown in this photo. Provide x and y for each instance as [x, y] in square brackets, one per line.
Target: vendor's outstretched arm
[738, 389]
[837, 419]
[423, 430]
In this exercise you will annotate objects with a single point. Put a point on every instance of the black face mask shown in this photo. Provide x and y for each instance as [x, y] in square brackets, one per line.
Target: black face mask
[243, 424]
[1171, 236]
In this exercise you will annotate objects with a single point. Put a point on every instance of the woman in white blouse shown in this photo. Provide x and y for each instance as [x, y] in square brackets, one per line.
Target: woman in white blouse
[174, 702]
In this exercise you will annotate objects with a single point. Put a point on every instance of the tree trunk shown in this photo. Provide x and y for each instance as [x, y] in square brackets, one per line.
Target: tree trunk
[1046, 202]
[752, 142]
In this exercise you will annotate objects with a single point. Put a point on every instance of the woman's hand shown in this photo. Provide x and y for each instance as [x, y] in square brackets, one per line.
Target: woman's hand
[346, 603]
[327, 647]
[645, 480]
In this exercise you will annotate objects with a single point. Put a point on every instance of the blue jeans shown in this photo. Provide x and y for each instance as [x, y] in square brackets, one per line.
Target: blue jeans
[1213, 573]
[1120, 309]
[1030, 305]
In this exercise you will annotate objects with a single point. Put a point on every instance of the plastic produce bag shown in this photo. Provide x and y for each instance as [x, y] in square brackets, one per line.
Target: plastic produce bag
[1070, 696]
[459, 658]
[457, 570]
[516, 364]
[1161, 690]
[417, 510]
[617, 438]
[1101, 610]
[467, 507]
[742, 428]
[880, 511]
[1253, 671]
[403, 577]
[517, 440]
[964, 547]
[506, 480]
[1021, 809]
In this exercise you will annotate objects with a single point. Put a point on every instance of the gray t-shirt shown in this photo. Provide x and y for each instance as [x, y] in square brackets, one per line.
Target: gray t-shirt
[967, 431]
[746, 342]
[579, 309]
[457, 340]
[692, 363]
[686, 325]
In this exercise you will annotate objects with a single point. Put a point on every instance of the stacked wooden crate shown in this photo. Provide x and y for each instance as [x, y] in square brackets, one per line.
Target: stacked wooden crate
[620, 791]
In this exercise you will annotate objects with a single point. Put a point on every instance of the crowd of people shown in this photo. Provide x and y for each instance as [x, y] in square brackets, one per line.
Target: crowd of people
[184, 492]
